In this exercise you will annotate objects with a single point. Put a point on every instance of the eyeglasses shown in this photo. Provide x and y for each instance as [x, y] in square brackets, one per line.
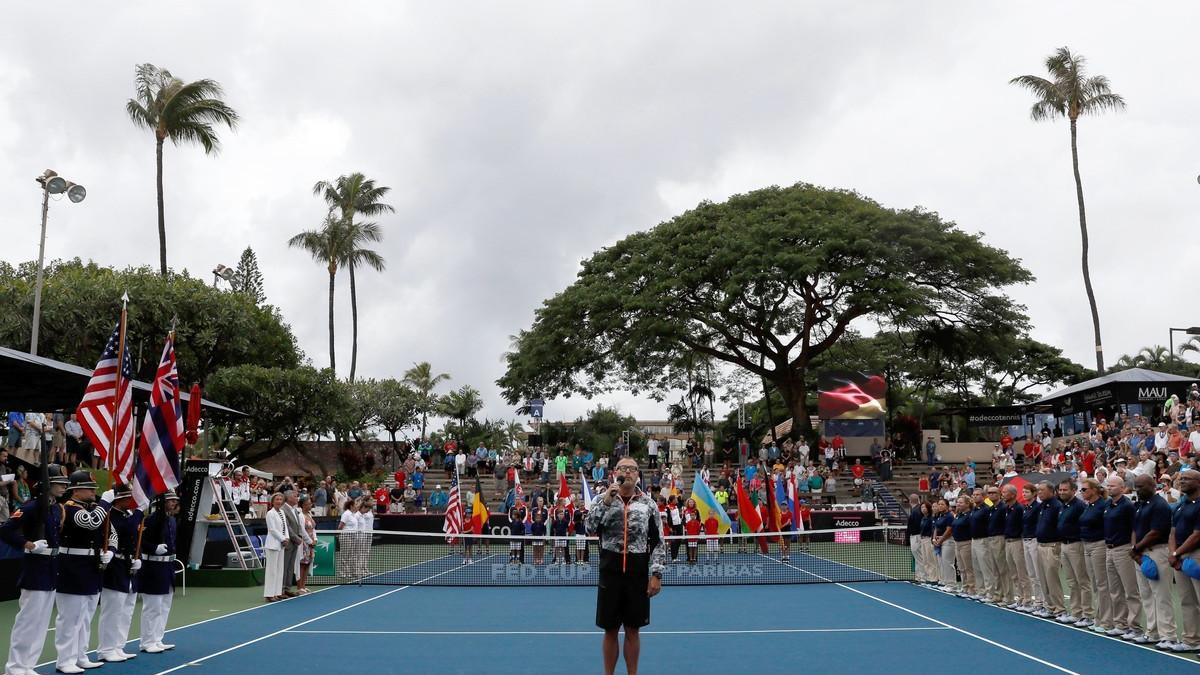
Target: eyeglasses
[626, 469]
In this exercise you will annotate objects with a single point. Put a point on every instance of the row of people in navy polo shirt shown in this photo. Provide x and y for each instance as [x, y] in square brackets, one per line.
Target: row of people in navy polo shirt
[1120, 563]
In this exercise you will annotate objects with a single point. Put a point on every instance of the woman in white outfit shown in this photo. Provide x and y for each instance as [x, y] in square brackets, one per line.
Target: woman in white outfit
[277, 541]
[347, 540]
[366, 524]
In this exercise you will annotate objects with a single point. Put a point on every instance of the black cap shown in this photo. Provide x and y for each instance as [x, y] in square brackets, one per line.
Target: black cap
[169, 494]
[57, 475]
[82, 480]
[122, 491]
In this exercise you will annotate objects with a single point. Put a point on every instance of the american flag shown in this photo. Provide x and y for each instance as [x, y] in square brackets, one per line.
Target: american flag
[108, 403]
[162, 433]
[454, 517]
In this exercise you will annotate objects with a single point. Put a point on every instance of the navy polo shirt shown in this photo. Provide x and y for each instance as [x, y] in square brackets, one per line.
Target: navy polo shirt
[962, 527]
[997, 520]
[1047, 525]
[1030, 520]
[1152, 515]
[1184, 519]
[979, 522]
[1013, 528]
[941, 523]
[927, 526]
[1091, 521]
[1118, 522]
[1068, 519]
[914, 521]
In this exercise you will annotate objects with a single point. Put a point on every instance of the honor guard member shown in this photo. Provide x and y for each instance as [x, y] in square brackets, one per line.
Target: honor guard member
[156, 580]
[118, 594]
[35, 529]
[82, 556]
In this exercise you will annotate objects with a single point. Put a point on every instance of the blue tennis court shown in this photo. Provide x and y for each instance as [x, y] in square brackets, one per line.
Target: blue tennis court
[833, 627]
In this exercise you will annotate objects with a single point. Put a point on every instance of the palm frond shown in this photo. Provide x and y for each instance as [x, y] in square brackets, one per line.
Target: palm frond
[1101, 103]
[140, 115]
[368, 258]
[1046, 110]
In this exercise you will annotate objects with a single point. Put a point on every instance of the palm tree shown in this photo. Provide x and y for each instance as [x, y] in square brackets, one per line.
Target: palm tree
[1070, 94]
[330, 246]
[421, 378]
[347, 197]
[185, 112]
[461, 405]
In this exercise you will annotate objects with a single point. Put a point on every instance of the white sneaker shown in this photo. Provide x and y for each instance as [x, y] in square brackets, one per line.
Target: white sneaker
[1184, 647]
[1141, 639]
[1065, 618]
[1098, 629]
[111, 657]
[1083, 623]
[1044, 614]
[153, 649]
[87, 664]
[1166, 645]
[166, 646]
[70, 669]
[1115, 632]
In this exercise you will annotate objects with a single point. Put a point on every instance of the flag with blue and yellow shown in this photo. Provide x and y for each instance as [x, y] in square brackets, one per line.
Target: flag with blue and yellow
[706, 503]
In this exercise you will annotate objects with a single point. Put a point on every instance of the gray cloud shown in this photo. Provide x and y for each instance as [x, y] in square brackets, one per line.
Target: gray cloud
[519, 138]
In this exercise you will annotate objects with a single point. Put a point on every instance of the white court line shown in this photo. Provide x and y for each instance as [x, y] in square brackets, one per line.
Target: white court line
[315, 618]
[943, 623]
[1146, 647]
[600, 632]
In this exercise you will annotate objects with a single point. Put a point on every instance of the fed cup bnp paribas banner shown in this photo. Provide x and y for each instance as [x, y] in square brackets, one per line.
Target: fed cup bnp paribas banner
[325, 556]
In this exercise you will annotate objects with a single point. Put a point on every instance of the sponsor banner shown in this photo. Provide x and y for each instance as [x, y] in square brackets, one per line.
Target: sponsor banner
[1001, 416]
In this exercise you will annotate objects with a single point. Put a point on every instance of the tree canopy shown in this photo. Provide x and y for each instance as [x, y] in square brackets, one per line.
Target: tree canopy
[81, 303]
[767, 281]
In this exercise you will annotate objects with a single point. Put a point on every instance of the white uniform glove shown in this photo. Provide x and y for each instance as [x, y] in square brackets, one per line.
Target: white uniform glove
[39, 546]
[106, 557]
[137, 565]
[161, 549]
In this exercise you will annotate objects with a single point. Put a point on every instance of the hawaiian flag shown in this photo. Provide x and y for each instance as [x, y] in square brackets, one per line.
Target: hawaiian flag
[162, 433]
[454, 515]
[106, 411]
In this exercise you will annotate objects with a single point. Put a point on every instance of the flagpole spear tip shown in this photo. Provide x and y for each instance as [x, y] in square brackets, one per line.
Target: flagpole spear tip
[125, 297]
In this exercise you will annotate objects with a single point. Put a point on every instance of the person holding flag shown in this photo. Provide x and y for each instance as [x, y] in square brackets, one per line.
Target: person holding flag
[479, 518]
[453, 525]
[82, 556]
[156, 580]
[748, 518]
[119, 592]
[783, 514]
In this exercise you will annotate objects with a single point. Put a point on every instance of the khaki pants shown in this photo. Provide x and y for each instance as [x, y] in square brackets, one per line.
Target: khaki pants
[1097, 571]
[1002, 584]
[966, 570]
[983, 567]
[1189, 605]
[1048, 563]
[1122, 587]
[930, 560]
[1031, 566]
[946, 564]
[1014, 555]
[914, 545]
[1156, 597]
[1078, 587]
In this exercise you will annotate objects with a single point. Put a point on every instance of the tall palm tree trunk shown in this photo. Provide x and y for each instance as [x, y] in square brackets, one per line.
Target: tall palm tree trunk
[353, 324]
[1083, 233]
[332, 358]
[162, 221]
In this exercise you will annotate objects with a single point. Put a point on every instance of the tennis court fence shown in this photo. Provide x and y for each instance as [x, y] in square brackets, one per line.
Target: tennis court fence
[876, 553]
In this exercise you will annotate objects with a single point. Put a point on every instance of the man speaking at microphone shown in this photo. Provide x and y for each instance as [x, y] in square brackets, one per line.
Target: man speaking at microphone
[632, 557]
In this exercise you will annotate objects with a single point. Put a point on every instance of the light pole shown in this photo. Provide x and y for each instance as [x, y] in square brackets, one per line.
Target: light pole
[1194, 330]
[223, 272]
[52, 184]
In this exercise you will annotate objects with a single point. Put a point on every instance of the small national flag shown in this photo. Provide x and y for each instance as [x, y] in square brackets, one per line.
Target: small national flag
[162, 433]
[106, 411]
[564, 495]
[479, 514]
[747, 513]
[454, 515]
[706, 503]
[586, 492]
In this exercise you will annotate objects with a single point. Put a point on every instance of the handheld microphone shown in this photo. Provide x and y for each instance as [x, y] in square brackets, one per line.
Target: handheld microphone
[620, 480]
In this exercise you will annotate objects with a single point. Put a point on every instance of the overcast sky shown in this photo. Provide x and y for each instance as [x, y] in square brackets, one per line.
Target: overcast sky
[519, 138]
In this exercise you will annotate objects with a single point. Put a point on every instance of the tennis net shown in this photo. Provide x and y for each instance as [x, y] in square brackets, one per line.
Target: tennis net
[407, 558]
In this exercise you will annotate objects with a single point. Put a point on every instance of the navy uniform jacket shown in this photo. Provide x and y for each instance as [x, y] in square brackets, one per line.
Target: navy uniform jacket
[38, 572]
[927, 526]
[914, 521]
[1014, 527]
[1030, 520]
[1091, 523]
[1068, 520]
[83, 528]
[124, 528]
[1047, 525]
[157, 577]
[980, 518]
[997, 520]
[962, 528]
[1118, 522]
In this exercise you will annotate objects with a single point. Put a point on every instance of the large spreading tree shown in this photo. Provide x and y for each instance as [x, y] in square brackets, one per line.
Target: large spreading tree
[768, 282]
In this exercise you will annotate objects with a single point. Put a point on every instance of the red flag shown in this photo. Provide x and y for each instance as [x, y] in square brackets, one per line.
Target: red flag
[564, 493]
[193, 416]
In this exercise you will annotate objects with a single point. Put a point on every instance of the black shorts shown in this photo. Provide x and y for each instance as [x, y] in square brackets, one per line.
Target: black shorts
[621, 600]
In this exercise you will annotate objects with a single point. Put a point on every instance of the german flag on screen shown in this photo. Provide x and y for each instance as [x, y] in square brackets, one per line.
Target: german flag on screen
[847, 395]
